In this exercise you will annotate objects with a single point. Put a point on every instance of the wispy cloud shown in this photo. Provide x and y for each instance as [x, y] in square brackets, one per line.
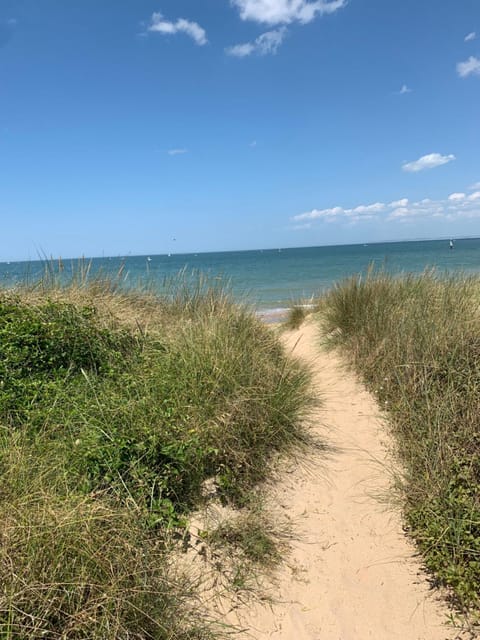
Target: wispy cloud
[267, 43]
[475, 186]
[430, 161]
[159, 25]
[471, 36]
[362, 211]
[455, 206]
[177, 152]
[275, 12]
[405, 89]
[253, 144]
[469, 67]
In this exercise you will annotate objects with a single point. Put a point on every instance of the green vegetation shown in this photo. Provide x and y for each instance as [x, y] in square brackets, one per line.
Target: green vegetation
[115, 409]
[416, 342]
[246, 546]
[252, 535]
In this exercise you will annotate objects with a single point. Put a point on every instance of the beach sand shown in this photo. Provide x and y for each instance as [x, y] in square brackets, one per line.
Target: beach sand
[352, 574]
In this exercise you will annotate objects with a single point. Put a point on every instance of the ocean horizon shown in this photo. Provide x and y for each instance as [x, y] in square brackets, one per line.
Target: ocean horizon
[268, 279]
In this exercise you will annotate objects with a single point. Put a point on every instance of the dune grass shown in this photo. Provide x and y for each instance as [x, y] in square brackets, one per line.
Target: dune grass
[296, 316]
[416, 342]
[115, 408]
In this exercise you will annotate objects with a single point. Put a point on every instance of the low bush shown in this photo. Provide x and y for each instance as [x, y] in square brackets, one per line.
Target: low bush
[42, 346]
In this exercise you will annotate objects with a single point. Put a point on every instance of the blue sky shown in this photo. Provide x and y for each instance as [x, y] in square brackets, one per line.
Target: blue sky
[236, 124]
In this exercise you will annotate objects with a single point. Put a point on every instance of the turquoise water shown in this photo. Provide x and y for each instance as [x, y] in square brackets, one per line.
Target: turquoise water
[272, 279]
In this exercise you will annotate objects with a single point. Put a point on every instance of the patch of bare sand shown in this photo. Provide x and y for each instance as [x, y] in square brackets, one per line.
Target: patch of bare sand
[352, 574]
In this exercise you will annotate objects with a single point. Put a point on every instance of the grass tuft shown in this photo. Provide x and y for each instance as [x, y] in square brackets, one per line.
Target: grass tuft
[252, 535]
[296, 316]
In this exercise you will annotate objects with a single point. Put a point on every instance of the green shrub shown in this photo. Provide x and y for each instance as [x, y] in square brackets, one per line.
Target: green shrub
[44, 346]
[56, 337]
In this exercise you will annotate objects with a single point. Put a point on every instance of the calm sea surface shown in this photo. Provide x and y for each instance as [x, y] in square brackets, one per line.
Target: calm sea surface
[272, 279]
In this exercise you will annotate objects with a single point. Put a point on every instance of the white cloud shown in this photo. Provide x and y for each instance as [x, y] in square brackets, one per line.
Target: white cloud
[367, 208]
[430, 161]
[474, 187]
[455, 206]
[362, 211]
[177, 152]
[404, 90]
[471, 36]
[469, 67]
[241, 50]
[159, 25]
[267, 43]
[324, 214]
[274, 12]
[400, 212]
[398, 203]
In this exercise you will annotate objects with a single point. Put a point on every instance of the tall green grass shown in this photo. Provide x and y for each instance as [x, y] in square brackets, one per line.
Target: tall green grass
[416, 342]
[115, 408]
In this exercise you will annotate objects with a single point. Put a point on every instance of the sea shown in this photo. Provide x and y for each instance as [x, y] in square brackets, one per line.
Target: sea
[269, 280]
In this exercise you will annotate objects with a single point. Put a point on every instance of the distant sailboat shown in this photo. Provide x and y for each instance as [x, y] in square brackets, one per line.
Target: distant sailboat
[451, 244]
[149, 259]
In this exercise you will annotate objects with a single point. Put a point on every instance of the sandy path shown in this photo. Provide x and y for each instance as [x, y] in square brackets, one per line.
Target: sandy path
[352, 574]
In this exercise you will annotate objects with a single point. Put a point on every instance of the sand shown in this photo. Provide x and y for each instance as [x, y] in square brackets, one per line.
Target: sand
[352, 574]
